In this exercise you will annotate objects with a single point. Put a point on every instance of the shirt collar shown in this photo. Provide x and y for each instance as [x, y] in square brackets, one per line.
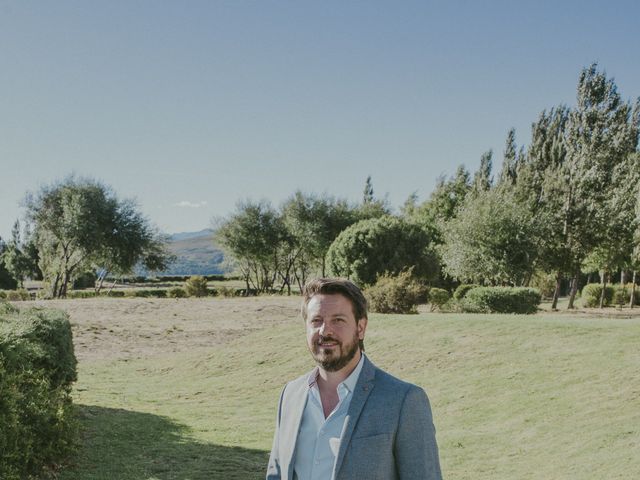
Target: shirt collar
[349, 382]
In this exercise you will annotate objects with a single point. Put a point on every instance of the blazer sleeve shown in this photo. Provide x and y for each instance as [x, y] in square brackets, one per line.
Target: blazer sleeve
[273, 468]
[415, 449]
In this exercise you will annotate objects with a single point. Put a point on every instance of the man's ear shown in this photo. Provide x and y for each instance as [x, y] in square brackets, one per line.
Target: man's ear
[362, 327]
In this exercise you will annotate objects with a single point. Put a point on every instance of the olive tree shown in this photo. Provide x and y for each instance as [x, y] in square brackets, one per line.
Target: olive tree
[80, 224]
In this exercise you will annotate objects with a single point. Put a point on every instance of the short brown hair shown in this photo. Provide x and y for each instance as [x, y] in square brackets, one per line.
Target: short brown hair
[336, 286]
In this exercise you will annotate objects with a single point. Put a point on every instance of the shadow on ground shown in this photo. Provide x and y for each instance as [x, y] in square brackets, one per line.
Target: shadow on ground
[123, 445]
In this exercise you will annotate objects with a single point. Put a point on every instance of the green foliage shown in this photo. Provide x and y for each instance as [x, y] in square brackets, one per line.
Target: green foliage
[7, 281]
[621, 296]
[196, 286]
[438, 297]
[501, 300]
[80, 224]
[227, 292]
[545, 282]
[463, 289]
[492, 238]
[18, 295]
[396, 294]
[37, 369]
[592, 292]
[85, 280]
[386, 245]
[146, 293]
[176, 292]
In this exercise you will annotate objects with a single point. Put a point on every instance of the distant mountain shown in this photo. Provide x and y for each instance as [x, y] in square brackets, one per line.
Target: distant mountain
[195, 255]
[176, 237]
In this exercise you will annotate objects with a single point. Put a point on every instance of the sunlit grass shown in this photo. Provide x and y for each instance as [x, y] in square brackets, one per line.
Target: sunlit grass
[514, 397]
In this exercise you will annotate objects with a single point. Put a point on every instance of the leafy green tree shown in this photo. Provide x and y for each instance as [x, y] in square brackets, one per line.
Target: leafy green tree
[256, 237]
[386, 245]
[510, 168]
[16, 262]
[482, 179]
[77, 224]
[314, 222]
[371, 207]
[492, 239]
[601, 134]
[7, 282]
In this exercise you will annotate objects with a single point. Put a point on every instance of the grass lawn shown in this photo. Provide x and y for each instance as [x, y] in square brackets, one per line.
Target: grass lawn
[187, 389]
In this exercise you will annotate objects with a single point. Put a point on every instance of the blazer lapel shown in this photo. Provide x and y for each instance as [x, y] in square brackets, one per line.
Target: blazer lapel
[296, 401]
[360, 394]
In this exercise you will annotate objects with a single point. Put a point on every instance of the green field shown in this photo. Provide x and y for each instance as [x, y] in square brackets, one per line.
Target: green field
[550, 396]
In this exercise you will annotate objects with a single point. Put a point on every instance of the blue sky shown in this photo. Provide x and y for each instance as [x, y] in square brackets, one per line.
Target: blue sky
[191, 106]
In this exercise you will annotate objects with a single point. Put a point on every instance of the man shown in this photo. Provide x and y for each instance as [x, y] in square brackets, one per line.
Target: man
[347, 419]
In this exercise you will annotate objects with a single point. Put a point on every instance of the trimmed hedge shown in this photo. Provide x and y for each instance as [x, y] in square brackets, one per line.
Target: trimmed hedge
[37, 369]
[501, 300]
[463, 289]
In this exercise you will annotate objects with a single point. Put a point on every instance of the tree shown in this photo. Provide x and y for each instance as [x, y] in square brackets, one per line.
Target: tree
[482, 179]
[386, 245]
[492, 239]
[80, 223]
[256, 237]
[7, 282]
[371, 207]
[510, 160]
[601, 134]
[17, 263]
[314, 222]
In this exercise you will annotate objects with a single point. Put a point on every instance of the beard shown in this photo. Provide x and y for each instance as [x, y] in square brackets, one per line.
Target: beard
[332, 360]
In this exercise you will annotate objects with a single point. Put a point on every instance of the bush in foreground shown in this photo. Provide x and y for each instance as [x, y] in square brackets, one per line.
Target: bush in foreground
[176, 292]
[396, 294]
[501, 300]
[37, 369]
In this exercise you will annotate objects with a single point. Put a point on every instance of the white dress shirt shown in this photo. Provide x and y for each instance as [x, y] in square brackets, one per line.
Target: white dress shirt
[319, 438]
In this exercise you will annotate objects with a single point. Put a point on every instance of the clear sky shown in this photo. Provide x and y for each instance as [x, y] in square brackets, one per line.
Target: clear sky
[190, 106]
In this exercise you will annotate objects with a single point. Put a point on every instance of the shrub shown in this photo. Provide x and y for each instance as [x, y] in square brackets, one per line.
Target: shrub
[591, 295]
[438, 297]
[37, 369]
[149, 293]
[3, 294]
[621, 295]
[227, 291]
[82, 294]
[176, 292]
[501, 300]
[18, 295]
[463, 289]
[196, 286]
[636, 296]
[545, 282]
[396, 294]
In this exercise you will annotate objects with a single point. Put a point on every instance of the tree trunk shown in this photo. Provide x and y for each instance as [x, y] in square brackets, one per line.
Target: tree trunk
[574, 290]
[556, 292]
[101, 278]
[622, 277]
[632, 301]
[604, 288]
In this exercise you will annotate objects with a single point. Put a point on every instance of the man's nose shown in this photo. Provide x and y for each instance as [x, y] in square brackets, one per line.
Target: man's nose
[324, 329]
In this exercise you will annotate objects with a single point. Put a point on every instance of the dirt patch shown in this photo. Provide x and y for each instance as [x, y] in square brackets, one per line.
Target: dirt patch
[130, 328]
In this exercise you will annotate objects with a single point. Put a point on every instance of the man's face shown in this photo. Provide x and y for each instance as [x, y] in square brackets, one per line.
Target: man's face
[332, 331]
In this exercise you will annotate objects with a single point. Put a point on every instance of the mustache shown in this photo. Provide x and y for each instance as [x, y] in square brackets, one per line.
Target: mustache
[322, 338]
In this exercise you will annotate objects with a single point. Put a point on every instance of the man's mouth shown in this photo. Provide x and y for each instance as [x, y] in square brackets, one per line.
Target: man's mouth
[327, 343]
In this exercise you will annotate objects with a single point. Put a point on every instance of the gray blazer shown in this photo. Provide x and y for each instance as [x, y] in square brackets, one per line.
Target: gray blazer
[388, 433]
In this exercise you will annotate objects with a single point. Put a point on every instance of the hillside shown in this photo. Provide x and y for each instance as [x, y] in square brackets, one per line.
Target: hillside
[195, 255]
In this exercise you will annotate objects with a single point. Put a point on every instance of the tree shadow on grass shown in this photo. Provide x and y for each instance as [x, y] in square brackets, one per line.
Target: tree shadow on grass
[119, 444]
